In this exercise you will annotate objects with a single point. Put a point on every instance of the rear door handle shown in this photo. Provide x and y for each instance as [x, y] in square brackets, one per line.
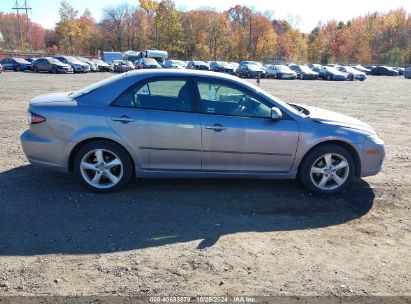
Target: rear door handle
[123, 119]
[216, 127]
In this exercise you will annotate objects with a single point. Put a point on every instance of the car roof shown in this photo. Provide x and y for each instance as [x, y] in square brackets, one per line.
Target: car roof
[168, 72]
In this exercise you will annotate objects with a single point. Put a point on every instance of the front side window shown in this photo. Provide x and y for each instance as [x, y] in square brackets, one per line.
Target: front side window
[222, 99]
[170, 95]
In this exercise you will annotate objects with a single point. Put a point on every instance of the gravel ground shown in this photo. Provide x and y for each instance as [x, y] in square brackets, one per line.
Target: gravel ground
[208, 237]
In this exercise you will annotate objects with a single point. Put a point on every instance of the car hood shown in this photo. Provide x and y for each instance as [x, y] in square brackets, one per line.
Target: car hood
[337, 119]
[62, 98]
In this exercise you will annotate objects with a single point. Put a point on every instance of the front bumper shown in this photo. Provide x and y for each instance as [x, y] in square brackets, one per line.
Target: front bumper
[64, 70]
[372, 157]
[288, 76]
[360, 77]
[310, 76]
[80, 69]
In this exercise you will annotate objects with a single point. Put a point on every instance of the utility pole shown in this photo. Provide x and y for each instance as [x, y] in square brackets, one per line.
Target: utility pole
[25, 9]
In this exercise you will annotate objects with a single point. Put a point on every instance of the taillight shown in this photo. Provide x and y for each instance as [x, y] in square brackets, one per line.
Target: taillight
[33, 118]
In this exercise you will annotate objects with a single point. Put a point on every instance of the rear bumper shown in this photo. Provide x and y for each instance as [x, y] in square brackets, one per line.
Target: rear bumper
[45, 152]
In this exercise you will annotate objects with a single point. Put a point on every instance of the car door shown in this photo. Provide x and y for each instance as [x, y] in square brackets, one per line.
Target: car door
[238, 133]
[7, 64]
[156, 116]
[42, 65]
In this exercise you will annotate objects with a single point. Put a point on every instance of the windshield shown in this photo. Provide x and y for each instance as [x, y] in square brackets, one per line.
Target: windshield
[234, 64]
[332, 70]
[72, 59]
[150, 61]
[283, 68]
[350, 70]
[84, 59]
[55, 61]
[253, 67]
[305, 69]
[225, 65]
[21, 60]
[95, 86]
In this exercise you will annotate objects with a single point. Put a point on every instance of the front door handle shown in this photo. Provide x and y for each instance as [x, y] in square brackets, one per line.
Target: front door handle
[123, 119]
[216, 127]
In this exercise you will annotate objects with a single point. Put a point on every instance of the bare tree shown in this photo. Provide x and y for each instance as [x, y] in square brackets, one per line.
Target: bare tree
[114, 17]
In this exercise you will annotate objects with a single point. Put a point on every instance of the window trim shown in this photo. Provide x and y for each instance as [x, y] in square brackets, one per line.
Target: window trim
[237, 86]
[139, 84]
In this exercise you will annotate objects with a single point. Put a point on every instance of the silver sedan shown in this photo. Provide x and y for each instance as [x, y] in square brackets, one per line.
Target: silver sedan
[193, 124]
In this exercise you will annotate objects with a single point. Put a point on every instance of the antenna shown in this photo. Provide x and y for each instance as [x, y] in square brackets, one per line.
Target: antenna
[24, 9]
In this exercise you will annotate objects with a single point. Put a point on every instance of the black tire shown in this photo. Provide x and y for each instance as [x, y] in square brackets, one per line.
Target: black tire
[17, 69]
[54, 70]
[329, 77]
[301, 76]
[119, 151]
[35, 69]
[313, 156]
[351, 77]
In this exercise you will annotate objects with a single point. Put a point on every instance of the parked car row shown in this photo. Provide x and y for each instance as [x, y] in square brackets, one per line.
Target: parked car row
[55, 64]
[244, 69]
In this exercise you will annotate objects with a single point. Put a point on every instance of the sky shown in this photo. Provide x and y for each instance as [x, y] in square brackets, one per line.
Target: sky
[305, 14]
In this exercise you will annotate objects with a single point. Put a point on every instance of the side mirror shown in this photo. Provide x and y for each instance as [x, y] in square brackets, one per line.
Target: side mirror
[276, 113]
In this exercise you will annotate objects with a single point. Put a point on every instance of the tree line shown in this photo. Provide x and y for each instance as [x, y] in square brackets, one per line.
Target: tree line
[239, 33]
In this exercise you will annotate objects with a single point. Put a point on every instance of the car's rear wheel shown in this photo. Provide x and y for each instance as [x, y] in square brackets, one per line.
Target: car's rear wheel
[351, 77]
[54, 70]
[301, 76]
[327, 169]
[103, 166]
[18, 69]
[329, 77]
[35, 69]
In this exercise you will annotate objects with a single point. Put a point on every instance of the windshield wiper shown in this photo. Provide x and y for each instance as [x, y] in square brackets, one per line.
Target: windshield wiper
[300, 109]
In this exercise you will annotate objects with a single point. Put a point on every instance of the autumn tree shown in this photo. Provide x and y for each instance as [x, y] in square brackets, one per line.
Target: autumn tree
[67, 30]
[19, 32]
[170, 29]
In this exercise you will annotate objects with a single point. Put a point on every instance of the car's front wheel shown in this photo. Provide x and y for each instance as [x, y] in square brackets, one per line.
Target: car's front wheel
[327, 169]
[103, 166]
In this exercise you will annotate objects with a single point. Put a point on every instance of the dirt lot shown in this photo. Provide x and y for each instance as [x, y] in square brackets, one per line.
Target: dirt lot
[209, 237]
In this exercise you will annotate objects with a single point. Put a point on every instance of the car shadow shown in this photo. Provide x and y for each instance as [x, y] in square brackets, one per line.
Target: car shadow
[43, 212]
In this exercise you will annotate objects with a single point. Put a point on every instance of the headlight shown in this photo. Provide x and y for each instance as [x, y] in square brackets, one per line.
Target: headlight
[375, 139]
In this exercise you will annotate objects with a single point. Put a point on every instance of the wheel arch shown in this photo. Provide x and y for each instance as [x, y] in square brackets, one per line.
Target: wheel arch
[82, 143]
[343, 144]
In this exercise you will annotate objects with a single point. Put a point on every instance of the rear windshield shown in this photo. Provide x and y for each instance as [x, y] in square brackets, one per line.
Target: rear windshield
[95, 86]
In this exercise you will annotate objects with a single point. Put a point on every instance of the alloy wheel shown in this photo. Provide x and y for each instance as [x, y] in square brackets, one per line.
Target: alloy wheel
[329, 171]
[101, 168]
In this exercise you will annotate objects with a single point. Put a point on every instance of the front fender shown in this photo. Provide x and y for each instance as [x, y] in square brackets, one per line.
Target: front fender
[314, 134]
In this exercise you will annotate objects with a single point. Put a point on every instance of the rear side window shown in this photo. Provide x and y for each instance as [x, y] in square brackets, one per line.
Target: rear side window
[158, 94]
